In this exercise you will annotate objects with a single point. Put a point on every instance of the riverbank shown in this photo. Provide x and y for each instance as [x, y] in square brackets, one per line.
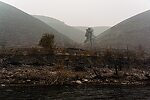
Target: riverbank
[71, 66]
[51, 76]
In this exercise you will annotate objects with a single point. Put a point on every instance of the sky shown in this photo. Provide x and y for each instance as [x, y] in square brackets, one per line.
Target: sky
[83, 12]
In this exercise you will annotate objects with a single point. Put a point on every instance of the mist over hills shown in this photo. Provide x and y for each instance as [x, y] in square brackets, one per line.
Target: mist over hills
[18, 28]
[97, 30]
[73, 33]
[133, 32]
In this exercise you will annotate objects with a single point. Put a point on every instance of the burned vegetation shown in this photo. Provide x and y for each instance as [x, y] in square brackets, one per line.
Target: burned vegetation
[40, 66]
[50, 65]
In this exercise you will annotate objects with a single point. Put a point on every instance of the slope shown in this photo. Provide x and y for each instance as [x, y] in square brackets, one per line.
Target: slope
[133, 32]
[71, 32]
[18, 28]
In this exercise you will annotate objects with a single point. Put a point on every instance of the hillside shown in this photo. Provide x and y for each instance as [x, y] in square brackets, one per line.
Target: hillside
[73, 33]
[18, 28]
[97, 30]
[133, 32]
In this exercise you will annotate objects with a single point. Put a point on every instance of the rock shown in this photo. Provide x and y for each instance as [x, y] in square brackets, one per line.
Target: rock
[28, 80]
[115, 81]
[123, 83]
[106, 80]
[53, 73]
[19, 69]
[126, 74]
[85, 80]
[78, 82]
[3, 85]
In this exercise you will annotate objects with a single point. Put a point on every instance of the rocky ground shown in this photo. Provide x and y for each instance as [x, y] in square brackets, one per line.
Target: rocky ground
[35, 76]
[36, 67]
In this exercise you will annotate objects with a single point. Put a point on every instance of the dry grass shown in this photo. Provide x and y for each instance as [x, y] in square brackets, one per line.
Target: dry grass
[41, 76]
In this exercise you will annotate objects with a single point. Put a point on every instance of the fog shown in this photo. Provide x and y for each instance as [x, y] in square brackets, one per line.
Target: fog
[84, 12]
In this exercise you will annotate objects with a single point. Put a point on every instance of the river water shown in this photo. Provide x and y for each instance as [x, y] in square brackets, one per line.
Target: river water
[76, 93]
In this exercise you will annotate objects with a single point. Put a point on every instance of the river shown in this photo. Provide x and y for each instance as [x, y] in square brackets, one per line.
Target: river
[76, 93]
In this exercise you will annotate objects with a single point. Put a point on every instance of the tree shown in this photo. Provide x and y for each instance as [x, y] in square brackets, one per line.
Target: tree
[89, 36]
[47, 41]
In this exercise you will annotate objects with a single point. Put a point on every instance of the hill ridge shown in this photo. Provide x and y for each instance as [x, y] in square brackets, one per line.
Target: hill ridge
[18, 28]
[134, 32]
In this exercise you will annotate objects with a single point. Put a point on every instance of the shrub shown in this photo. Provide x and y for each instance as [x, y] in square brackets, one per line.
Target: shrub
[47, 41]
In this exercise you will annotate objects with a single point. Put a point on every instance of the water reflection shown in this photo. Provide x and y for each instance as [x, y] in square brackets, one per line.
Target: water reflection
[76, 93]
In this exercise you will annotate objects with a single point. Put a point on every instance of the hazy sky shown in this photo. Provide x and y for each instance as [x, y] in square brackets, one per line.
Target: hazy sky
[84, 12]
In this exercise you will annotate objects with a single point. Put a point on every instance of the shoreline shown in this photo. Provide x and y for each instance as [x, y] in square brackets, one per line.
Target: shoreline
[74, 85]
[47, 76]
